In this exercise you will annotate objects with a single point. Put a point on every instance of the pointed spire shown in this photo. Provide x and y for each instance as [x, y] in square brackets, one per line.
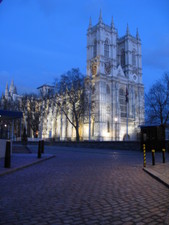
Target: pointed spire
[6, 91]
[137, 34]
[90, 22]
[7, 86]
[100, 17]
[11, 89]
[112, 23]
[127, 30]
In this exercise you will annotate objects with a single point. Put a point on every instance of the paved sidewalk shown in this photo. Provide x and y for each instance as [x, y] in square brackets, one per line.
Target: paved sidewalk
[159, 171]
[19, 161]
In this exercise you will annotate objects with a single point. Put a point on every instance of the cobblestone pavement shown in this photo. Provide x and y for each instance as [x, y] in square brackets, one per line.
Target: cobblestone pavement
[84, 187]
[19, 161]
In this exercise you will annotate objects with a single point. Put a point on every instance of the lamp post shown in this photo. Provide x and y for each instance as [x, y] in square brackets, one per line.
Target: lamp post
[89, 93]
[116, 119]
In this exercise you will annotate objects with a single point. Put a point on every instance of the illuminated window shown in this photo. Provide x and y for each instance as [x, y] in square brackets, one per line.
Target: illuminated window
[108, 126]
[134, 58]
[106, 48]
[122, 101]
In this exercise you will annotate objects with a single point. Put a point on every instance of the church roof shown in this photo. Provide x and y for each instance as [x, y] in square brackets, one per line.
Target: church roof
[45, 85]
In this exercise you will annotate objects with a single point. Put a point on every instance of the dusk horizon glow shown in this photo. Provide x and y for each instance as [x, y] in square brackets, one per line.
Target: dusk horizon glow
[40, 40]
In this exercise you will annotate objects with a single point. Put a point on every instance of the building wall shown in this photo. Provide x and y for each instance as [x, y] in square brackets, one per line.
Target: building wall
[114, 67]
[109, 71]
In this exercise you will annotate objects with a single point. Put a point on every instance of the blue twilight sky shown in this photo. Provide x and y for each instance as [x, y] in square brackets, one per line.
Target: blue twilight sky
[41, 39]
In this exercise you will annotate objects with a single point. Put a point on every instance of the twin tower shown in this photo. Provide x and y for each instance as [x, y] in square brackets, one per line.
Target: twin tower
[104, 44]
[114, 66]
[114, 75]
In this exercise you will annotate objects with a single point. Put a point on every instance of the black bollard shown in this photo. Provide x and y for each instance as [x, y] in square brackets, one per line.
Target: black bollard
[39, 149]
[163, 151]
[42, 146]
[7, 163]
[153, 157]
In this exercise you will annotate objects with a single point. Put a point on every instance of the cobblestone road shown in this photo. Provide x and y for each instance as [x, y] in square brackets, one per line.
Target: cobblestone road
[79, 187]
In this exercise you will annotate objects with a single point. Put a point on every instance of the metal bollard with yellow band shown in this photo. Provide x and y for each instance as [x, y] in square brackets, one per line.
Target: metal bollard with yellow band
[144, 155]
[163, 151]
[153, 157]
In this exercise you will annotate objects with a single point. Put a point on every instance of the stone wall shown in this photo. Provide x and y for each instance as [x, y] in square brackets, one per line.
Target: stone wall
[114, 145]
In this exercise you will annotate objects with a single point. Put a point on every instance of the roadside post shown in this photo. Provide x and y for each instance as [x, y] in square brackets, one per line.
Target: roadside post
[7, 163]
[163, 152]
[153, 157]
[144, 155]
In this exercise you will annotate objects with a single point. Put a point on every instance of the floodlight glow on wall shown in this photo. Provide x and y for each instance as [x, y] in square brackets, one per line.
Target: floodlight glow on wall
[115, 119]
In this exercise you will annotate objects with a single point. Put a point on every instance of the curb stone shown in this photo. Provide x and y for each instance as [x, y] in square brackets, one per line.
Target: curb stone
[162, 180]
[26, 165]
[157, 176]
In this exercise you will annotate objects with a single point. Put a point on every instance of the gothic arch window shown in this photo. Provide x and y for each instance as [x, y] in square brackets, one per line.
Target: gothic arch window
[107, 89]
[122, 57]
[106, 48]
[108, 110]
[122, 102]
[108, 126]
[134, 58]
[95, 48]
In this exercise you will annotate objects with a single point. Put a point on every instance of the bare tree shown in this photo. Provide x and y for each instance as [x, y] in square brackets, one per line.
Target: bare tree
[157, 101]
[30, 105]
[70, 97]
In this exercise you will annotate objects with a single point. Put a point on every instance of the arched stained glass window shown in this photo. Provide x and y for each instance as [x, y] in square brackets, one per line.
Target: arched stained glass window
[95, 48]
[122, 57]
[108, 126]
[134, 58]
[106, 48]
[122, 101]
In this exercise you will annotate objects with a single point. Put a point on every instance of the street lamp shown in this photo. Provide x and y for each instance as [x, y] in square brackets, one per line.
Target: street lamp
[116, 119]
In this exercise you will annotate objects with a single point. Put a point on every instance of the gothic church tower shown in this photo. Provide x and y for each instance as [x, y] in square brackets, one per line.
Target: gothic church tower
[114, 66]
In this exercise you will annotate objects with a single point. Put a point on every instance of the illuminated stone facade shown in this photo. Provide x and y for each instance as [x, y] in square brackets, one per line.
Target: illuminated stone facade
[114, 65]
[114, 69]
